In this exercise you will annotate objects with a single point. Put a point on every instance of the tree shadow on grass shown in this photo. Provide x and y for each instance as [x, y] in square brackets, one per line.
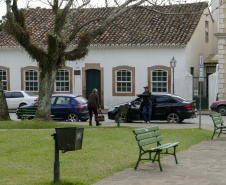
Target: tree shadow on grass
[66, 182]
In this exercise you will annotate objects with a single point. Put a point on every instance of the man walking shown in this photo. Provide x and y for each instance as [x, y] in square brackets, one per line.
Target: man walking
[147, 102]
[93, 105]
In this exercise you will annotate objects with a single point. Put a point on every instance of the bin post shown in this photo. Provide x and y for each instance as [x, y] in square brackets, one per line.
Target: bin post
[119, 115]
[118, 121]
[56, 161]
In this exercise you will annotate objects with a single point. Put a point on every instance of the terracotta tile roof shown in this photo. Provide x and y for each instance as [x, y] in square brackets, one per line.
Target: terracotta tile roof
[141, 26]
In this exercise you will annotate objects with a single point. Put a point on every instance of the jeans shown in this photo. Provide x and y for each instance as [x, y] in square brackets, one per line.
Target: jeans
[144, 112]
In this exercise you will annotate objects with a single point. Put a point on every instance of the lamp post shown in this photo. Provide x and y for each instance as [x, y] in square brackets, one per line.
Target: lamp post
[173, 63]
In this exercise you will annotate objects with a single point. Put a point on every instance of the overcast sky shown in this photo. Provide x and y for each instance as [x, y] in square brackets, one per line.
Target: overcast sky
[37, 3]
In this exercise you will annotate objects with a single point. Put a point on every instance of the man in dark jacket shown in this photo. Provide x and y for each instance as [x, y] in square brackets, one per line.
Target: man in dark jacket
[147, 102]
[93, 105]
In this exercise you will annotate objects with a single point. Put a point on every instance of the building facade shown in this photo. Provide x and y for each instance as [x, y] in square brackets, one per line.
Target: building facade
[123, 64]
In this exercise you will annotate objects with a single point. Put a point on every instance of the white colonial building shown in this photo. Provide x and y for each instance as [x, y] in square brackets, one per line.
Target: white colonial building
[125, 58]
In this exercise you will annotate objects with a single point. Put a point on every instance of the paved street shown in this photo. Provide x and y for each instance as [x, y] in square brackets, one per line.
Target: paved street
[206, 123]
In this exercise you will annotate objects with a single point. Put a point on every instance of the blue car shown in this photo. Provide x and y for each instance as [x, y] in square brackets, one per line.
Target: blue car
[65, 107]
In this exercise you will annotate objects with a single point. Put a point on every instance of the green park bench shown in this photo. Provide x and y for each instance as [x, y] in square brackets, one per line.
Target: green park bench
[26, 113]
[148, 140]
[219, 127]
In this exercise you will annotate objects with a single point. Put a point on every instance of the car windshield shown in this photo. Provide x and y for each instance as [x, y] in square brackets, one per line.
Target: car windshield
[179, 98]
[30, 94]
[81, 100]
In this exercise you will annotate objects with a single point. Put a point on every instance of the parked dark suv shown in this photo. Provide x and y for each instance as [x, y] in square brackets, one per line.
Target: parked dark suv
[168, 107]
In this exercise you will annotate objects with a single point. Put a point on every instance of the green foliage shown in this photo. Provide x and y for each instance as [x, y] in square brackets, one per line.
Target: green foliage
[27, 157]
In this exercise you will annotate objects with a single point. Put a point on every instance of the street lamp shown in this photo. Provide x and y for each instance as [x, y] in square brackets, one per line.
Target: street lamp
[173, 63]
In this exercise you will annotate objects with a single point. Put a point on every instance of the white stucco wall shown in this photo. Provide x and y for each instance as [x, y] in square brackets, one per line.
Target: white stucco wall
[213, 88]
[15, 59]
[197, 44]
[140, 58]
[186, 86]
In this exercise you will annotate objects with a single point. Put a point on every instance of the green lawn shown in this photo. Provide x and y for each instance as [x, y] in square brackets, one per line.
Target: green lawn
[32, 124]
[27, 157]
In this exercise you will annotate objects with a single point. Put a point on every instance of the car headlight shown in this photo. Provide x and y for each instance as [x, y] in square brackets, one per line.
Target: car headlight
[111, 109]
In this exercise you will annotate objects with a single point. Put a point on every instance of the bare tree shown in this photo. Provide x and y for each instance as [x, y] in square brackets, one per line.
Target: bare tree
[4, 114]
[52, 58]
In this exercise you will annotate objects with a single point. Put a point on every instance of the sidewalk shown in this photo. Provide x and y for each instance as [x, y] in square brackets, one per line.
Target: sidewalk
[201, 164]
[203, 112]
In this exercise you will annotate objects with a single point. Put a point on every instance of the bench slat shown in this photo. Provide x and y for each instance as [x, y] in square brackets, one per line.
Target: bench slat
[217, 118]
[216, 115]
[149, 135]
[164, 146]
[218, 122]
[145, 130]
[149, 141]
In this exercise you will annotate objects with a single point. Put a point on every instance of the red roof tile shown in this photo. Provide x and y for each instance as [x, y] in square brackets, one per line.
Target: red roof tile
[141, 26]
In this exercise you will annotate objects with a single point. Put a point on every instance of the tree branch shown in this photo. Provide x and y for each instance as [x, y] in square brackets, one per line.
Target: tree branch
[85, 39]
[15, 26]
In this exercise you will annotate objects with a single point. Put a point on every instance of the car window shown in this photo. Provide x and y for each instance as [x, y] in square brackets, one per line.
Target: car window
[53, 100]
[8, 94]
[30, 94]
[179, 98]
[136, 101]
[171, 100]
[81, 100]
[17, 95]
[62, 101]
[161, 99]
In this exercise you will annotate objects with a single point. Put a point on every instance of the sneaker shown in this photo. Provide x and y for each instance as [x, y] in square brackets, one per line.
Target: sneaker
[145, 122]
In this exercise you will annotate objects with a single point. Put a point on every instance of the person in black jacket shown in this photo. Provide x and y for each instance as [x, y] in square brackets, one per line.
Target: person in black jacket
[147, 102]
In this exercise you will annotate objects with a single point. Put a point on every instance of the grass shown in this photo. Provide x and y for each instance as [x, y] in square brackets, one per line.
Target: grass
[27, 157]
[33, 124]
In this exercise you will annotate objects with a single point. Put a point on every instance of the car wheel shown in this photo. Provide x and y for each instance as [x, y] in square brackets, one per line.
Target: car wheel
[173, 118]
[222, 110]
[72, 117]
[22, 104]
[122, 118]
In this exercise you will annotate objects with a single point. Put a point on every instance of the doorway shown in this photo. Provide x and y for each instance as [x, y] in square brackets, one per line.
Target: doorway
[93, 80]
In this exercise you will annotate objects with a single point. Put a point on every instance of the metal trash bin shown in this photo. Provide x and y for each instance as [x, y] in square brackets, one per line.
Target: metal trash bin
[69, 138]
[123, 110]
[122, 114]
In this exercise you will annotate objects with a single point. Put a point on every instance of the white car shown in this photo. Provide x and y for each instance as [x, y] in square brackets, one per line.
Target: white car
[17, 99]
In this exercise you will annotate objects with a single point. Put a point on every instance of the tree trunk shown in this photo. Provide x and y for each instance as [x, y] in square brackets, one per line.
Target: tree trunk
[45, 94]
[4, 114]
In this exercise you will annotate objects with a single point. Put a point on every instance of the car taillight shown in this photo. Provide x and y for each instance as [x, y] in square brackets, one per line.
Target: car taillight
[188, 106]
[80, 107]
[36, 99]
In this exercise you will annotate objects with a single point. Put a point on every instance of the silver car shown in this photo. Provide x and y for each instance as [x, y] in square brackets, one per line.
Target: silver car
[17, 99]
